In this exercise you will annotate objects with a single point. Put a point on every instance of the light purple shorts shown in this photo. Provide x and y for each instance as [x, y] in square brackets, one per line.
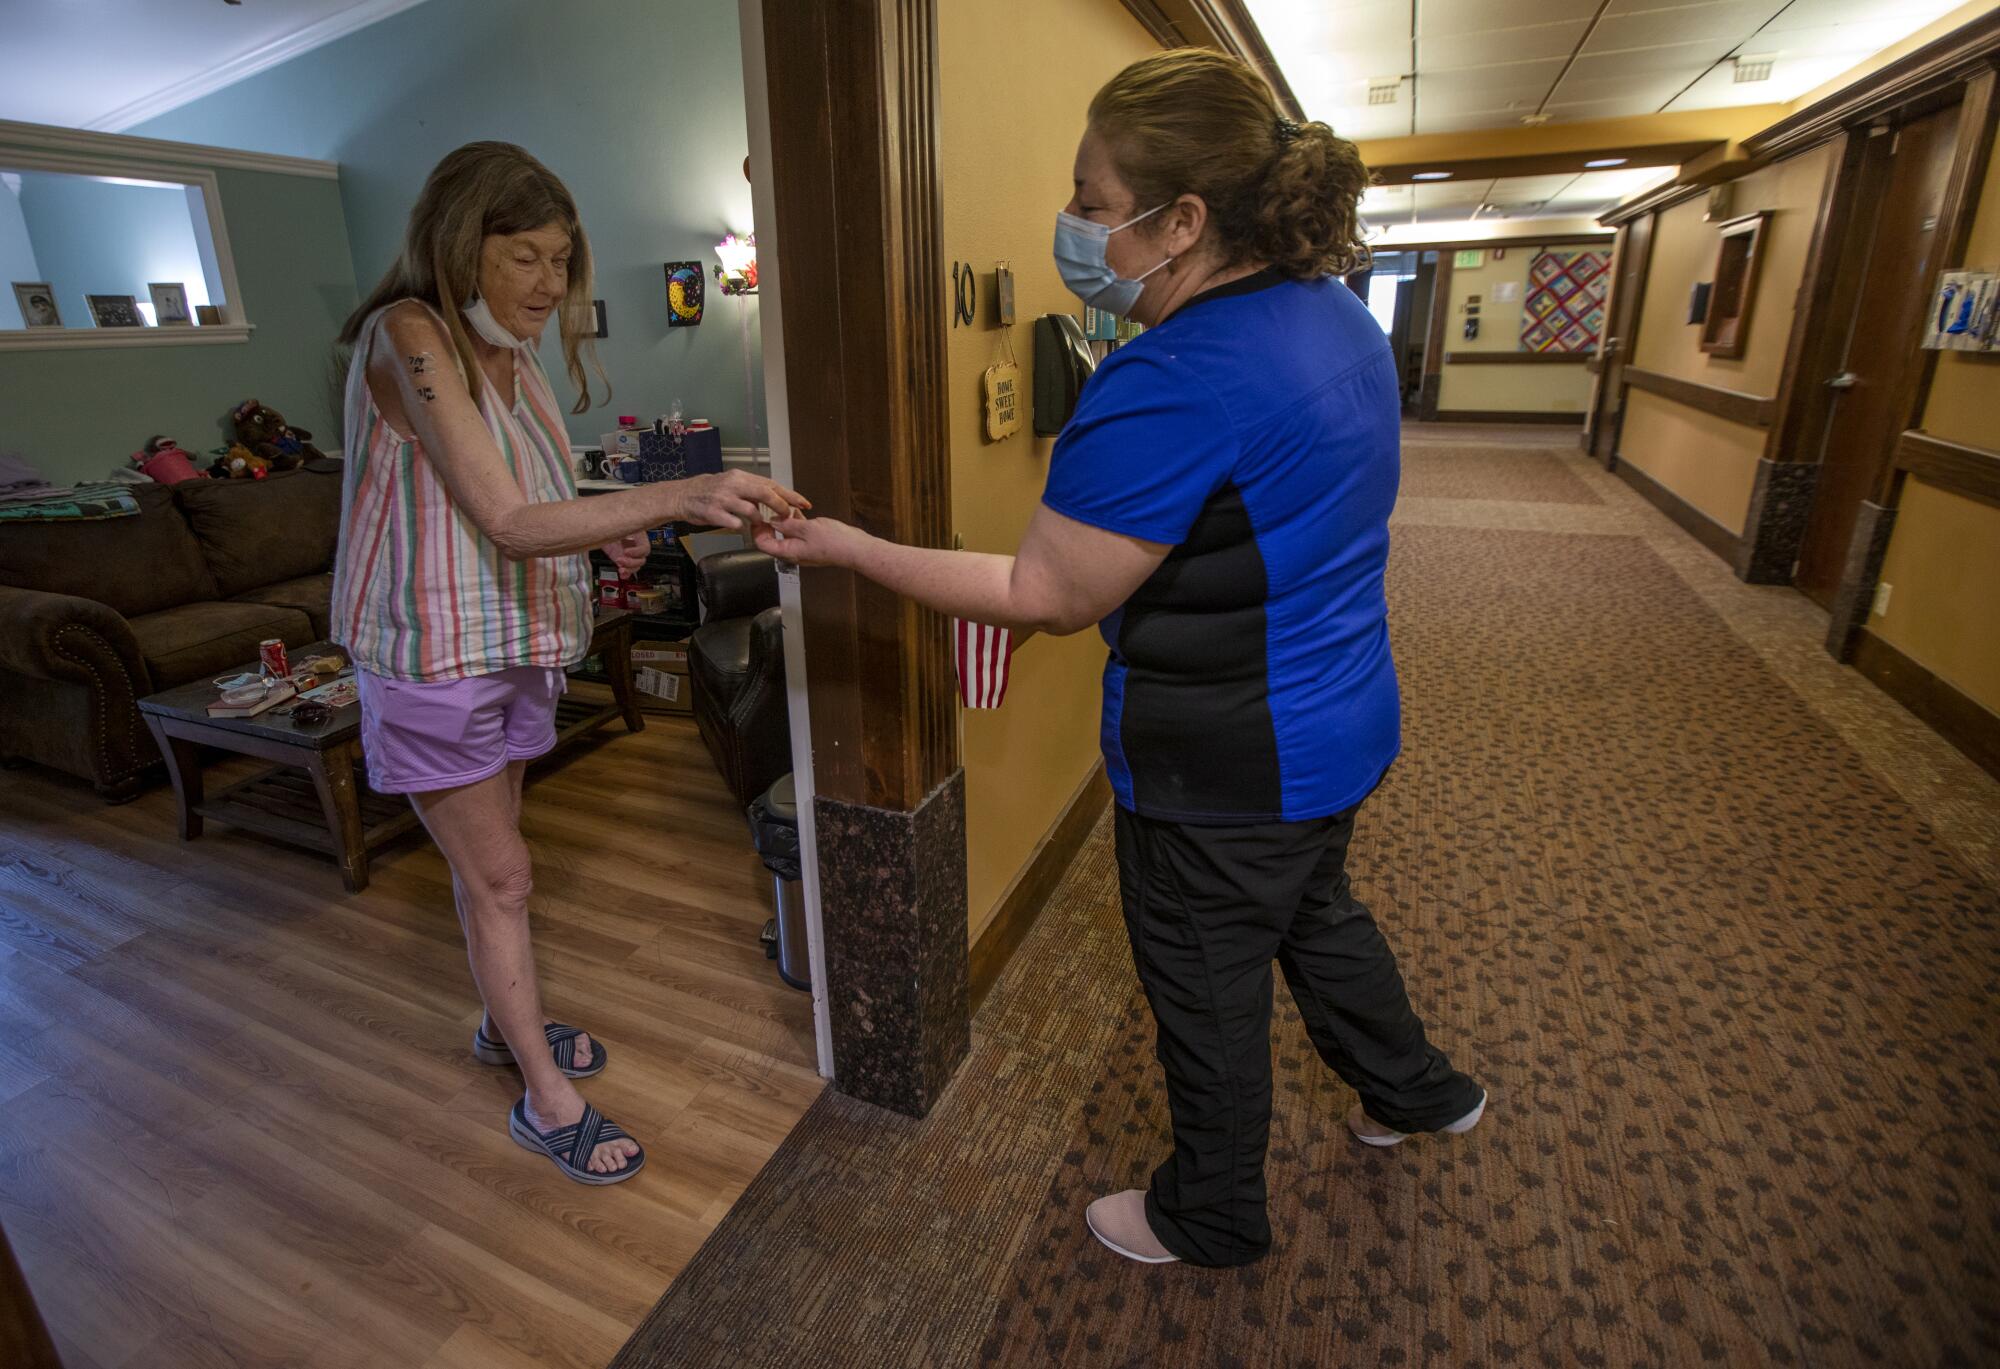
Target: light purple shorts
[422, 735]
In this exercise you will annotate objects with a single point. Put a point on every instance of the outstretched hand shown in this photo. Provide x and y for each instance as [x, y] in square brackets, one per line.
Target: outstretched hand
[812, 541]
[628, 553]
[735, 499]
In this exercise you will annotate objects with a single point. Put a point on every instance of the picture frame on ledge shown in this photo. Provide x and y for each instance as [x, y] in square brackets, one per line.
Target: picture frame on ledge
[170, 304]
[209, 315]
[37, 299]
[115, 311]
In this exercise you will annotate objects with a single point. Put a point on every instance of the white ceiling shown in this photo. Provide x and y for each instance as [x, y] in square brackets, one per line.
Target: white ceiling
[1470, 64]
[110, 64]
[1570, 195]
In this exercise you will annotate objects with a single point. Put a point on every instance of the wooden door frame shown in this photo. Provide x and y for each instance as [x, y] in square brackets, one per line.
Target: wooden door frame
[1621, 342]
[845, 182]
[852, 86]
[1828, 291]
[1979, 116]
[1431, 379]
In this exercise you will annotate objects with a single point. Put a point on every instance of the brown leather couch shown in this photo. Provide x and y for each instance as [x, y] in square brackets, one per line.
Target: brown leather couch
[95, 615]
[736, 659]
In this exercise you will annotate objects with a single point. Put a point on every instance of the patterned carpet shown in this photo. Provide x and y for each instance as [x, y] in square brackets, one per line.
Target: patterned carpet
[1702, 912]
[1446, 470]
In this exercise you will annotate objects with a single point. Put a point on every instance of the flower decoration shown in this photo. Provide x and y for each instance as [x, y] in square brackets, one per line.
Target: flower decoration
[736, 264]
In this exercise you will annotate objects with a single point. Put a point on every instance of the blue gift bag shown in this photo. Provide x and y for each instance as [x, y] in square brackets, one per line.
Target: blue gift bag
[670, 456]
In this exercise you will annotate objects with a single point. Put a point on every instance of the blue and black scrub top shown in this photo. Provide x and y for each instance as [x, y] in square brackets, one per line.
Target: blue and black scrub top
[1255, 432]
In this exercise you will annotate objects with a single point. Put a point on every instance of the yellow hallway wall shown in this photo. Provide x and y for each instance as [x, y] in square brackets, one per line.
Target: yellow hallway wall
[1944, 555]
[1014, 83]
[1528, 388]
[1708, 461]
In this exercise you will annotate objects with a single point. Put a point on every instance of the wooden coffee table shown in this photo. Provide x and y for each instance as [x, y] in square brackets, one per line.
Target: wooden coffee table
[314, 794]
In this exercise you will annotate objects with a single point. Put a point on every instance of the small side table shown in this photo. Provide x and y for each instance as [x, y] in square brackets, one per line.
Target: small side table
[330, 808]
[610, 642]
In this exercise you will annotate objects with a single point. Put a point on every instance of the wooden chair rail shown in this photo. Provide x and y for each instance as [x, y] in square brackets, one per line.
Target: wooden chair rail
[1755, 410]
[1518, 358]
[1955, 466]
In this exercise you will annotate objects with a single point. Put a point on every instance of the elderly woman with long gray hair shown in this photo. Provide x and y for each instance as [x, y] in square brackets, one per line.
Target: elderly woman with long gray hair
[462, 588]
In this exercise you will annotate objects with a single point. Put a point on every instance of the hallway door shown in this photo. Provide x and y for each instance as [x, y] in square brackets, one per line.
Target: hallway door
[1881, 357]
[1628, 288]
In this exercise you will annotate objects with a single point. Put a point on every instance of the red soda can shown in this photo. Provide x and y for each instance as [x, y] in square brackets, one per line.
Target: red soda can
[271, 655]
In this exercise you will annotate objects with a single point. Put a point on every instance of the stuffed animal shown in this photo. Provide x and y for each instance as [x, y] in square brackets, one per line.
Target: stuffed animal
[264, 431]
[238, 462]
[163, 460]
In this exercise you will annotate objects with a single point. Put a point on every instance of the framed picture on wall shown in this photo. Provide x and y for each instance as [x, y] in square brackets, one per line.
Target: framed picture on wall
[170, 303]
[1725, 330]
[114, 311]
[684, 294]
[37, 299]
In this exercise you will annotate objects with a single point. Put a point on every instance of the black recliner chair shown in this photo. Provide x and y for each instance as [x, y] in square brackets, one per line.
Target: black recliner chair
[736, 660]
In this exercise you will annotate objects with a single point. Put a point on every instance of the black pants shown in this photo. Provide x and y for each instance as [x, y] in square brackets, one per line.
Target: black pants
[1208, 909]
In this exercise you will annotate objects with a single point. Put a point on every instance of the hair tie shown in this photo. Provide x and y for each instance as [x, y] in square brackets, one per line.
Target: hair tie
[1288, 129]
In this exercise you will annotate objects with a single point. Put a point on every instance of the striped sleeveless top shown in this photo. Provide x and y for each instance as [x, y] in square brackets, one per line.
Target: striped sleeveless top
[419, 593]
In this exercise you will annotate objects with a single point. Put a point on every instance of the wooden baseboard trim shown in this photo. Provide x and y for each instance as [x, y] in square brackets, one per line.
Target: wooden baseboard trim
[1023, 903]
[1692, 520]
[1959, 719]
[1506, 416]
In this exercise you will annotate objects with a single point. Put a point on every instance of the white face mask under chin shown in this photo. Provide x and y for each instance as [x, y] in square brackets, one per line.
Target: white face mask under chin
[483, 323]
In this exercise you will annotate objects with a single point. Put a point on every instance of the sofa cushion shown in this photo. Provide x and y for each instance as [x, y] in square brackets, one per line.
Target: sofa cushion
[202, 641]
[311, 595]
[258, 532]
[132, 565]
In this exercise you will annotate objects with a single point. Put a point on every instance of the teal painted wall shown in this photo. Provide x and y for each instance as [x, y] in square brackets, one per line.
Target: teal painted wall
[17, 253]
[636, 104]
[92, 237]
[77, 414]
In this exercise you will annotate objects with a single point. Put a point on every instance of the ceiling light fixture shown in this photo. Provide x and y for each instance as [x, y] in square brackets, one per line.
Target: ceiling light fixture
[1382, 90]
[1607, 161]
[1430, 176]
[1756, 68]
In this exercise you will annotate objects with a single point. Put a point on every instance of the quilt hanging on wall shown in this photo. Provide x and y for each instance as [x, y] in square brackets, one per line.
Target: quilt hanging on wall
[1564, 308]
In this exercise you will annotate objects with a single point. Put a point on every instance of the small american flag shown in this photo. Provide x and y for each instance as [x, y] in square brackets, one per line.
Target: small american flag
[982, 654]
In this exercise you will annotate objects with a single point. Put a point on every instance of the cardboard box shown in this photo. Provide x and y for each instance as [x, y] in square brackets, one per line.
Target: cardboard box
[660, 670]
[665, 655]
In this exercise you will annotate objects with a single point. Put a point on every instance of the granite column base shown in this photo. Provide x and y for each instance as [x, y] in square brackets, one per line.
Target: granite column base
[1775, 528]
[893, 902]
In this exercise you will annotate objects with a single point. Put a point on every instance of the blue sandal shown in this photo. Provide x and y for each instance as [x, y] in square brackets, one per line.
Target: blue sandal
[570, 1146]
[562, 1046]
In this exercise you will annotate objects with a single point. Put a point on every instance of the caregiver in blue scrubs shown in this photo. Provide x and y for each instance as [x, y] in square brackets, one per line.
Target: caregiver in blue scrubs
[1219, 507]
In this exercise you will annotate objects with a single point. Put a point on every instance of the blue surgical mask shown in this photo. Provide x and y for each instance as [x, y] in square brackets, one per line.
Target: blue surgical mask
[1080, 245]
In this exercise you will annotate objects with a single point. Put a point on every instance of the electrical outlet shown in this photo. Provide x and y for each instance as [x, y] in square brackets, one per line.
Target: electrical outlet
[1881, 604]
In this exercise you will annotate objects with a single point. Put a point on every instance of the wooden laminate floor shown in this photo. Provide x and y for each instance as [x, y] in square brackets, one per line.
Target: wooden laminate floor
[239, 1124]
